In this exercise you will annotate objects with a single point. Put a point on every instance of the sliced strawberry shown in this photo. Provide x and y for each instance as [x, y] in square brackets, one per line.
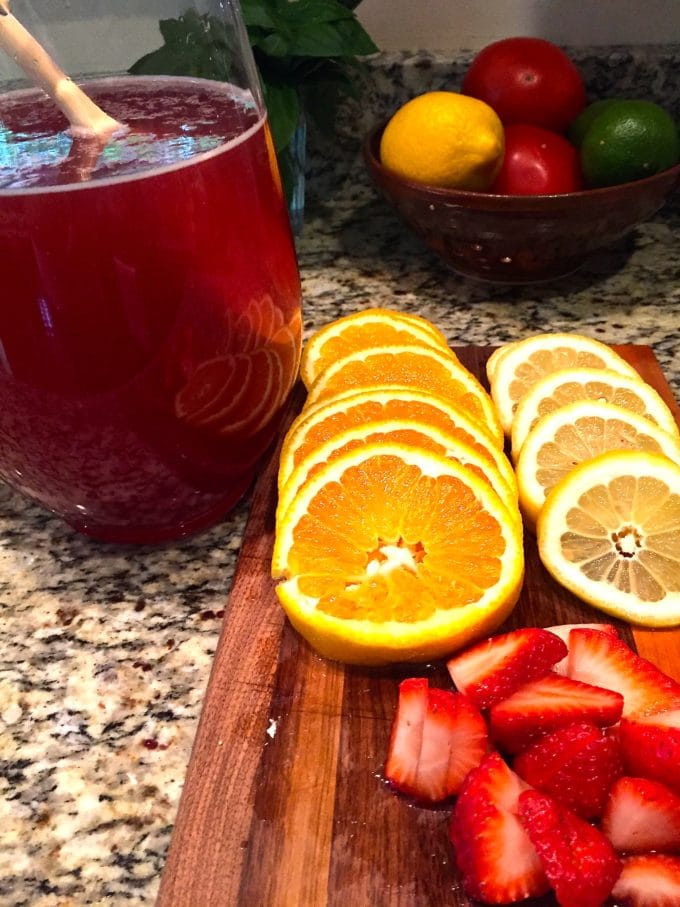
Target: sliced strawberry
[406, 740]
[651, 747]
[455, 740]
[547, 704]
[605, 661]
[578, 860]
[576, 765]
[496, 667]
[563, 631]
[652, 880]
[642, 815]
[497, 862]
[437, 737]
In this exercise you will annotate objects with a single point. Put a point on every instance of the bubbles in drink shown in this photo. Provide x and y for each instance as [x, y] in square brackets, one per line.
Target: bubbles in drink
[164, 129]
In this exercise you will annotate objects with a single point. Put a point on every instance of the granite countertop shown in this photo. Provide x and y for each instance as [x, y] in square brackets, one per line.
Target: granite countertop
[105, 651]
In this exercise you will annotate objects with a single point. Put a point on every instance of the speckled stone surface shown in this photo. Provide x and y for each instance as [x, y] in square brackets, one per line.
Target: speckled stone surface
[105, 651]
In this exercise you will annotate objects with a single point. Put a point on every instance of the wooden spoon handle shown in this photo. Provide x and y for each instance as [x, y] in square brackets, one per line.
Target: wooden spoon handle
[85, 117]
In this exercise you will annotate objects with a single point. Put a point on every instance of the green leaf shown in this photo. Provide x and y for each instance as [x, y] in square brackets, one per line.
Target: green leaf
[283, 109]
[313, 12]
[259, 13]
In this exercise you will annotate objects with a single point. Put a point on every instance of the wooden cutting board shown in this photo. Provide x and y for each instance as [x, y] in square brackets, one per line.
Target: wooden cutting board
[284, 803]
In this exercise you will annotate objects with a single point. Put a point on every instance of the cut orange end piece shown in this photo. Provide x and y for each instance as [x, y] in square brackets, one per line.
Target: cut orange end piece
[362, 330]
[392, 553]
[610, 532]
[420, 367]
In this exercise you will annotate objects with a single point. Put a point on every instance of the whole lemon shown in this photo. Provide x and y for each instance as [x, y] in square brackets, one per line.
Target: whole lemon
[444, 139]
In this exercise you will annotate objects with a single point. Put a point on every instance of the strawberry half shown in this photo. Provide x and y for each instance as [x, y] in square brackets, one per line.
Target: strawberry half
[652, 880]
[603, 660]
[651, 747]
[406, 739]
[576, 765]
[642, 815]
[547, 704]
[437, 737]
[563, 631]
[578, 860]
[495, 668]
[496, 859]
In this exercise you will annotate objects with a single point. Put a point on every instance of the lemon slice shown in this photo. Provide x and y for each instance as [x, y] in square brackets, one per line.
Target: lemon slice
[610, 533]
[573, 384]
[580, 431]
[527, 361]
[361, 330]
[393, 553]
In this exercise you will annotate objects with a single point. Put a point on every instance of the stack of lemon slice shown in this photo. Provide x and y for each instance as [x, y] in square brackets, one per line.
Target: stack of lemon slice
[398, 533]
[597, 454]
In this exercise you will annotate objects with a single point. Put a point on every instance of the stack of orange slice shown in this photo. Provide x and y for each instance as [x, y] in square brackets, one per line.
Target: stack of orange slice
[398, 534]
[597, 453]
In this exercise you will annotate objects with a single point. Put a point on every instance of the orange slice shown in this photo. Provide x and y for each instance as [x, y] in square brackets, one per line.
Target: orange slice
[393, 553]
[421, 367]
[318, 423]
[610, 532]
[360, 331]
[527, 361]
[578, 432]
[408, 431]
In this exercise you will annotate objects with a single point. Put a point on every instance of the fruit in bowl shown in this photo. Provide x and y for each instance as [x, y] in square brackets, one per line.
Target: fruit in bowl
[505, 131]
[539, 209]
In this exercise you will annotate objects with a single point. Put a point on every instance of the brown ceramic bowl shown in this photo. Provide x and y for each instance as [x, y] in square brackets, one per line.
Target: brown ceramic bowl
[518, 238]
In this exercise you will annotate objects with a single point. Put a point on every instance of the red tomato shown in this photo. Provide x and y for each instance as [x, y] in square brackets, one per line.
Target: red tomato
[537, 162]
[527, 80]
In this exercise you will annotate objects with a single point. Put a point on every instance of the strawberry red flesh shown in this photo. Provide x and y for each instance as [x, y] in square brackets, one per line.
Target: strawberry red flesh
[603, 660]
[651, 747]
[547, 704]
[576, 765]
[493, 669]
[495, 857]
[563, 631]
[642, 815]
[437, 737]
[454, 741]
[406, 740]
[578, 860]
[652, 880]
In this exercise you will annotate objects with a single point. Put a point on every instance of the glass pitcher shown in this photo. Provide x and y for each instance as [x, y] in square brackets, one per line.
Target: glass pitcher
[150, 303]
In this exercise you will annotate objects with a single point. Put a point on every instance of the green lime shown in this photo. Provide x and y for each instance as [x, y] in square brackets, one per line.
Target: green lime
[628, 141]
[583, 121]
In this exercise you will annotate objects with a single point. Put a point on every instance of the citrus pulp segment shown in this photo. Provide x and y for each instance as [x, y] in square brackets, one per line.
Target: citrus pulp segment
[421, 367]
[409, 431]
[371, 327]
[320, 422]
[393, 553]
[578, 432]
[610, 532]
[529, 360]
[570, 385]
